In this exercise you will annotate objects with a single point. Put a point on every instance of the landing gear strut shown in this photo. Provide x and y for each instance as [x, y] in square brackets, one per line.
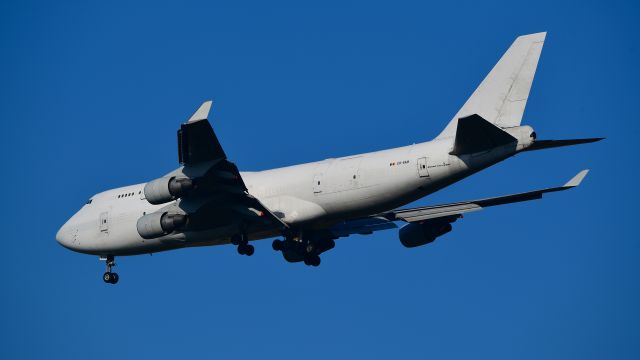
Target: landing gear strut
[242, 242]
[110, 277]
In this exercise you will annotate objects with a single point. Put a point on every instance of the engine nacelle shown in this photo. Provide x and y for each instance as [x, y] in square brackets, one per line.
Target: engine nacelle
[415, 234]
[165, 189]
[158, 224]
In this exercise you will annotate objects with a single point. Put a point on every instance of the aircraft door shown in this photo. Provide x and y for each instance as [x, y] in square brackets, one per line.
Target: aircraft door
[104, 221]
[318, 177]
[317, 183]
[422, 167]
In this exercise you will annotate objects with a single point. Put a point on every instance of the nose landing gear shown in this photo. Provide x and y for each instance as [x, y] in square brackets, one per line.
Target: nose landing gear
[110, 277]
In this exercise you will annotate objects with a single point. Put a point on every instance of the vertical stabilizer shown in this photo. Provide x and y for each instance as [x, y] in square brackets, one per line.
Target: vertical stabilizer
[502, 95]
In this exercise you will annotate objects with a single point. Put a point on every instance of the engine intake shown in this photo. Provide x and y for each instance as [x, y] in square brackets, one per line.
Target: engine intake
[158, 224]
[415, 234]
[165, 189]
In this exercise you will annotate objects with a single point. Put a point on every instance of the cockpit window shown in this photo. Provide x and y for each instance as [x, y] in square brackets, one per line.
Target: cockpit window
[89, 201]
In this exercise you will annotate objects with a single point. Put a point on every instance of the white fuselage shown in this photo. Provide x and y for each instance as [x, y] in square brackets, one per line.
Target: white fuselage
[307, 196]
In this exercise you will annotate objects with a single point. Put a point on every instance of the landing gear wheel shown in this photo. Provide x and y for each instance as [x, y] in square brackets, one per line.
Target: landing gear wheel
[242, 241]
[110, 277]
[277, 245]
[106, 277]
[312, 260]
[246, 249]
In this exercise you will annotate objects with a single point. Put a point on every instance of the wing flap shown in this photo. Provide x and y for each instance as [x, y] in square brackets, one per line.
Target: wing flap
[363, 226]
[421, 214]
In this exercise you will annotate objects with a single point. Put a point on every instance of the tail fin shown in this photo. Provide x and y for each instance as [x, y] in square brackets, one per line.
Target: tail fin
[502, 95]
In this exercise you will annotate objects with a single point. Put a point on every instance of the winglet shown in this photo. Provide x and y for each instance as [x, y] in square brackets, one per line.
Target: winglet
[576, 180]
[202, 113]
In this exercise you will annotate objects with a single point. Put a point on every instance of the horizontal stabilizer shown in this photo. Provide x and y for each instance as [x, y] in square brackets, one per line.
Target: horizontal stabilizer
[475, 134]
[548, 144]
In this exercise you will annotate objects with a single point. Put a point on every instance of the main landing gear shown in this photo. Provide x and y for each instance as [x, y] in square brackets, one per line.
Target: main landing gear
[110, 277]
[242, 242]
[297, 249]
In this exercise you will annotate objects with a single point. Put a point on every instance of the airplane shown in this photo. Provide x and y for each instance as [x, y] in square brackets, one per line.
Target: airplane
[208, 201]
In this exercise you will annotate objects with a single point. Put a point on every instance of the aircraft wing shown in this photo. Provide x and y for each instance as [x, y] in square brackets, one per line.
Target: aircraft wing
[444, 213]
[197, 142]
[220, 195]
[436, 211]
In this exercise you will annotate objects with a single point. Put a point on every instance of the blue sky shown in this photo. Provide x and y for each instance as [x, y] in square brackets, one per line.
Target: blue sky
[91, 94]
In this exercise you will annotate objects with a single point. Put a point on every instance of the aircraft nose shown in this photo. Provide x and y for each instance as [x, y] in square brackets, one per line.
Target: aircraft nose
[64, 236]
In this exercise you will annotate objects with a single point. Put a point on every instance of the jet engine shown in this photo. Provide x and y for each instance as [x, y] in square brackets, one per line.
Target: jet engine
[165, 189]
[158, 224]
[418, 234]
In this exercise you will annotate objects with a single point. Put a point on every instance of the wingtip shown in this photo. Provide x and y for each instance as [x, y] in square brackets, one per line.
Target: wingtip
[576, 180]
[202, 113]
[535, 37]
